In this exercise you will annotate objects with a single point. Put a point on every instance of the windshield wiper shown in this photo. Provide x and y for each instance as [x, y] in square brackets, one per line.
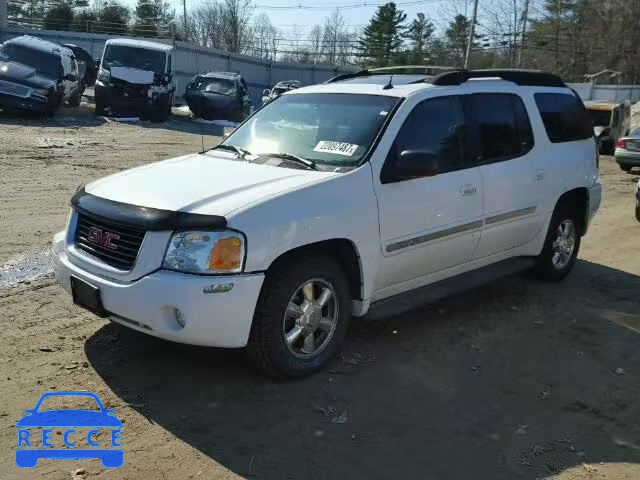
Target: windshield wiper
[239, 151]
[309, 164]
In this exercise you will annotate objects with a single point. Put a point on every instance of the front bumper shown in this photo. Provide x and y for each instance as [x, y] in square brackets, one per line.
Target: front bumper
[149, 304]
[29, 103]
[627, 158]
[115, 98]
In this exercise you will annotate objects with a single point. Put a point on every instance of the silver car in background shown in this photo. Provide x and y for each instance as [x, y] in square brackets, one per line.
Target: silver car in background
[627, 151]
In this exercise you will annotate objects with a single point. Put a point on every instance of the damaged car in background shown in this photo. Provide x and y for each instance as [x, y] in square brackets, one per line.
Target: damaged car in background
[219, 96]
[136, 77]
[37, 76]
[278, 89]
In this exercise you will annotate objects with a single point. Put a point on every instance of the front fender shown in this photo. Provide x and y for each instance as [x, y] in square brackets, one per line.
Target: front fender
[340, 207]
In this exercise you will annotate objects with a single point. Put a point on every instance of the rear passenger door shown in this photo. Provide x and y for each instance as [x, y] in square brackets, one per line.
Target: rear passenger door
[513, 176]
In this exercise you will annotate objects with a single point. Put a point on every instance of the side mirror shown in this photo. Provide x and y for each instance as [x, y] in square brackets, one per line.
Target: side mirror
[266, 92]
[410, 164]
[71, 77]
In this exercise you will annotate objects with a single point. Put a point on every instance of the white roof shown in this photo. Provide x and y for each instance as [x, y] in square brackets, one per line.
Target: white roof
[362, 89]
[40, 44]
[125, 42]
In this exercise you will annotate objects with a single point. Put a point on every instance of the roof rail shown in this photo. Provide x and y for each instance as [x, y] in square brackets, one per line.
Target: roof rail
[345, 76]
[530, 78]
[411, 70]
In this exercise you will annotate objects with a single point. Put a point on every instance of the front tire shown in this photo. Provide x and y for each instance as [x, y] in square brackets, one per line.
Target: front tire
[626, 168]
[638, 210]
[76, 98]
[302, 316]
[561, 245]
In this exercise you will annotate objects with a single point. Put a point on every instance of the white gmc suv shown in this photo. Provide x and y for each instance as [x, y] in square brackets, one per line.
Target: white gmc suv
[331, 198]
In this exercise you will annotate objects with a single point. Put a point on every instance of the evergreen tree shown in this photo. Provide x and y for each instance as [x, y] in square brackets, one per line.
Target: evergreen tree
[58, 16]
[153, 18]
[382, 38]
[457, 38]
[113, 18]
[418, 35]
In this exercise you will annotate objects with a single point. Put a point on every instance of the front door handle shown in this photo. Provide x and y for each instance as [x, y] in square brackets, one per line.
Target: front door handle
[539, 174]
[468, 190]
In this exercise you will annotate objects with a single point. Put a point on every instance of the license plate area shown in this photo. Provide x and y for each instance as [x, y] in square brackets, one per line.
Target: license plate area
[87, 296]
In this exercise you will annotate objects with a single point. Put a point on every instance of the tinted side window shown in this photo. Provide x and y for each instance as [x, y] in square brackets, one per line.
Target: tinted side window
[504, 126]
[564, 116]
[435, 128]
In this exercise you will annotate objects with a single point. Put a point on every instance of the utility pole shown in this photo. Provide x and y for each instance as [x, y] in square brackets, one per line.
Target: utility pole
[524, 31]
[184, 19]
[3, 14]
[471, 34]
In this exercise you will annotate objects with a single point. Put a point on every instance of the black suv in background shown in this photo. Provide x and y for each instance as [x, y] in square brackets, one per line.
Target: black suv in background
[37, 75]
[218, 96]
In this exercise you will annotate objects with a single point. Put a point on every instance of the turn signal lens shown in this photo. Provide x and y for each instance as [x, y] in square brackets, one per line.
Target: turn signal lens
[226, 254]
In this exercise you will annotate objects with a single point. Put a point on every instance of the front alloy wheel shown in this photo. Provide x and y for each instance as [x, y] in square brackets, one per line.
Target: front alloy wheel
[311, 318]
[302, 315]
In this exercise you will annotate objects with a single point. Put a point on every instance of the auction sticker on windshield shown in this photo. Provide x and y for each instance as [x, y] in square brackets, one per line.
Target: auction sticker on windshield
[338, 148]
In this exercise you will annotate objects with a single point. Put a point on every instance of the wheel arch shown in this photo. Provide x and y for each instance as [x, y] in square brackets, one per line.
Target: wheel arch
[343, 250]
[577, 199]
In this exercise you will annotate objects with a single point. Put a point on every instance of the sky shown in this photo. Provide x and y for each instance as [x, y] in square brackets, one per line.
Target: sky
[300, 15]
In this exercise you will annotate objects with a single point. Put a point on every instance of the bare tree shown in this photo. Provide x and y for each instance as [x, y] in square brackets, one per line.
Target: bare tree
[265, 38]
[337, 40]
[235, 25]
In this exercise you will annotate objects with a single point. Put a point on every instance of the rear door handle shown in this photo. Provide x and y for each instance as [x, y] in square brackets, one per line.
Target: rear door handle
[468, 190]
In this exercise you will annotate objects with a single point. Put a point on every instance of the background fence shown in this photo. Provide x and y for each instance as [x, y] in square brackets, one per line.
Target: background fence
[607, 93]
[191, 59]
[258, 73]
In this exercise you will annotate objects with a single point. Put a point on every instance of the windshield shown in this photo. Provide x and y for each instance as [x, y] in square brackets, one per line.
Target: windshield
[133, 57]
[45, 63]
[222, 86]
[601, 118]
[327, 128]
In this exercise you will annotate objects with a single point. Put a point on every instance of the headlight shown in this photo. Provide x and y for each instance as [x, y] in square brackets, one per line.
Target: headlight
[40, 91]
[104, 75]
[205, 252]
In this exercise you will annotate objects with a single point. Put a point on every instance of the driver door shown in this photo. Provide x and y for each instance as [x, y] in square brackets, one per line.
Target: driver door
[432, 222]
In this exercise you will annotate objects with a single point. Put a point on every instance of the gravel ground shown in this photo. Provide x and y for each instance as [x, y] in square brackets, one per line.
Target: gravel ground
[516, 379]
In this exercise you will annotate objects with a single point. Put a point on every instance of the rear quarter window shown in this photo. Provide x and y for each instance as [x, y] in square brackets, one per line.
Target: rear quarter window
[564, 116]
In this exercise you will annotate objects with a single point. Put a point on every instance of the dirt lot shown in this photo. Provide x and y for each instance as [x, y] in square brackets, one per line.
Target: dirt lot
[517, 379]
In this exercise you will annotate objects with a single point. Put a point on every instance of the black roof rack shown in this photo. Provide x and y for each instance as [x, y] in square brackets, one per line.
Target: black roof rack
[531, 78]
[426, 70]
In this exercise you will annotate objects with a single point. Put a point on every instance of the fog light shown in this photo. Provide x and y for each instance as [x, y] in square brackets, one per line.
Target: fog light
[180, 318]
[218, 288]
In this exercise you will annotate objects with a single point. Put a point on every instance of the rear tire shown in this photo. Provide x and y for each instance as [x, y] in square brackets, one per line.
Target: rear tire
[638, 210]
[100, 107]
[302, 315]
[561, 245]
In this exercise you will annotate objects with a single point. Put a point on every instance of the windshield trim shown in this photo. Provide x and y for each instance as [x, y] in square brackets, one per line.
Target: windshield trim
[374, 144]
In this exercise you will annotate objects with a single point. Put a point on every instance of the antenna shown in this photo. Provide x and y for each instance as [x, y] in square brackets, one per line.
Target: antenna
[389, 85]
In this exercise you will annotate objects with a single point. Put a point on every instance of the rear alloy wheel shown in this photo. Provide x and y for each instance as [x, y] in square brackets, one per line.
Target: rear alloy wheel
[302, 316]
[561, 246]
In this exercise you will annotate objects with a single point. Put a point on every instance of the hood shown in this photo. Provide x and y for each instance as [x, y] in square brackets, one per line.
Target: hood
[211, 98]
[24, 75]
[210, 183]
[133, 75]
[600, 130]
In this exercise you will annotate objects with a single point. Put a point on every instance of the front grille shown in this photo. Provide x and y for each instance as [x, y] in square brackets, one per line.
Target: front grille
[115, 244]
[14, 89]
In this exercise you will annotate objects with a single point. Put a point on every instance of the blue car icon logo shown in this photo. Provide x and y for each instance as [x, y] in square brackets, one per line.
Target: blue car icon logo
[30, 449]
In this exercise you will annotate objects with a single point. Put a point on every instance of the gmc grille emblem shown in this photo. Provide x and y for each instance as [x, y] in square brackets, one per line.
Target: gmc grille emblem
[103, 239]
